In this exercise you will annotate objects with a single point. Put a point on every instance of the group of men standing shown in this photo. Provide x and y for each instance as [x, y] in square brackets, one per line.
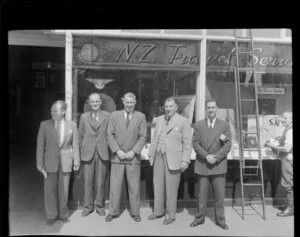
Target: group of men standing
[60, 147]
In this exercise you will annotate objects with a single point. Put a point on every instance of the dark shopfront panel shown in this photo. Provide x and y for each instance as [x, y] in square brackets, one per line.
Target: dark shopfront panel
[155, 69]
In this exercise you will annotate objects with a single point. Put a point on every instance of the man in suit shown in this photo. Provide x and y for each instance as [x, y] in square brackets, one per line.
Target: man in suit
[169, 155]
[127, 130]
[94, 154]
[283, 146]
[57, 153]
[212, 143]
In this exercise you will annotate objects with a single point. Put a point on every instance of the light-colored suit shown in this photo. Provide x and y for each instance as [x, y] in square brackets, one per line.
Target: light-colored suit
[128, 139]
[57, 160]
[207, 141]
[95, 156]
[166, 167]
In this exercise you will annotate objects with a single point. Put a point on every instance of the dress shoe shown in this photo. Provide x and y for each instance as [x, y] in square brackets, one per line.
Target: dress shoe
[100, 212]
[86, 212]
[286, 212]
[67, 219]
[50, 221]
[196, 222]
[223, 226]
[168, 221]
[109, 218]
[153, 217]
[137, 218]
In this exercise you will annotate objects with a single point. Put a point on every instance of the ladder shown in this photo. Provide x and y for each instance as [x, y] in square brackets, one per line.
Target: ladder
[246, 93]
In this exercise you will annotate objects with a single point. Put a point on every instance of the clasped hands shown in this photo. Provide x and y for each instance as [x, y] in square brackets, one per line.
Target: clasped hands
[122, 155]
[211, 159]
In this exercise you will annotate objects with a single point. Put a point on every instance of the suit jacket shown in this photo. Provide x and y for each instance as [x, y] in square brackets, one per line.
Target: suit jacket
[207, 141]
[50, 153]
[93, 136]
[128, 139]
[178, 140]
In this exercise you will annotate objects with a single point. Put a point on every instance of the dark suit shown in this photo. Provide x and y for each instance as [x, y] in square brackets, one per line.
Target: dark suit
[57, 159]
[207, 141]
[128, 139]
[95, 157]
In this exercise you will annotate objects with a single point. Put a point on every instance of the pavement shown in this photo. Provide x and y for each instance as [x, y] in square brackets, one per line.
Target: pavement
[33, 223]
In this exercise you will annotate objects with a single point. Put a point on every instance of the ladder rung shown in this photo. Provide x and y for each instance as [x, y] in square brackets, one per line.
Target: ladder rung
[245, 69]
[249, 115]
[243, 37]
[249, 132]
[245, 52]
[248, 99]
[252, 184]
[250, 167]
[254, 202]
[247, 83]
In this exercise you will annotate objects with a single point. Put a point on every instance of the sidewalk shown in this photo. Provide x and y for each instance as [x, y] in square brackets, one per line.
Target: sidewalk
[33, 223]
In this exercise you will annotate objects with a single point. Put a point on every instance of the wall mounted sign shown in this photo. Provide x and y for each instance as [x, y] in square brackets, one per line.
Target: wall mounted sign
[271, 91]
[266, 55]
[163, 54]
[97, 51]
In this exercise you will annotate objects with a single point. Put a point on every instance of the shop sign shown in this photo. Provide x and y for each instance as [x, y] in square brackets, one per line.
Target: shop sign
[103, 51]
[265, 55]
[271, 91]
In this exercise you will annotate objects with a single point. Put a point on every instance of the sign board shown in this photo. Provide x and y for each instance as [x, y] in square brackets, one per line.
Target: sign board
[97, 51]
[271, 91]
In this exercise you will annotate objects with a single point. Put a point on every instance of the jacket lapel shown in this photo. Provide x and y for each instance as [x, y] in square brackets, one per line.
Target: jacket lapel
[133, 120]
[101, 118]
[53, 131]
[90, 121]
[172, 123]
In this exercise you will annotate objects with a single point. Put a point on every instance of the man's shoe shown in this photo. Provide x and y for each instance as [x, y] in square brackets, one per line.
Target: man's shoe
[100, 212]
[137, 218]
[50, 221]
[67, 219]
[109, 218]
[286, 212]
[223, 226]
[196, 223]
[153, 217]
[168, 221]
[86, 212]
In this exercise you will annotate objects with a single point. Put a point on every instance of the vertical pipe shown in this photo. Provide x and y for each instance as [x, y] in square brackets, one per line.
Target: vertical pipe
[68, 74]
[201, 81]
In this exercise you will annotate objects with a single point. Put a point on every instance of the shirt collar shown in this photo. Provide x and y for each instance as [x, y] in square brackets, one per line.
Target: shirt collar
[213, 121]
[130, 114]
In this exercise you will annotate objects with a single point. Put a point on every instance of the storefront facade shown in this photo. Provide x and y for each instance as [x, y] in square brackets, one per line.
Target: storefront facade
[193, 68]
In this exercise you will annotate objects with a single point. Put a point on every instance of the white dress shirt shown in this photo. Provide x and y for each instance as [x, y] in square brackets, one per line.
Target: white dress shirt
[213, 122]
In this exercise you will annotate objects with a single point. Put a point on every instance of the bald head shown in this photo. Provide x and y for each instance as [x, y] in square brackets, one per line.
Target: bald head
[95, 102]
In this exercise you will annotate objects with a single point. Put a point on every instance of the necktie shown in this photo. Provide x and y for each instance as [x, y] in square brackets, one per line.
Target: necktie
[167, 120]
[211, 124]
[127, 120]
[95, 118]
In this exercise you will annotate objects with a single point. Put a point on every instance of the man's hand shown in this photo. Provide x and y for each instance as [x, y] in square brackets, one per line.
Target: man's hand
[121, 154]
[184, 166]
[130, 154]
[211, 159]
[43, 171]
[76, 166]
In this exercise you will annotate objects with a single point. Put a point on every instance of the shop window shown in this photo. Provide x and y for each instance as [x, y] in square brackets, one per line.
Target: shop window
[150, 87]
